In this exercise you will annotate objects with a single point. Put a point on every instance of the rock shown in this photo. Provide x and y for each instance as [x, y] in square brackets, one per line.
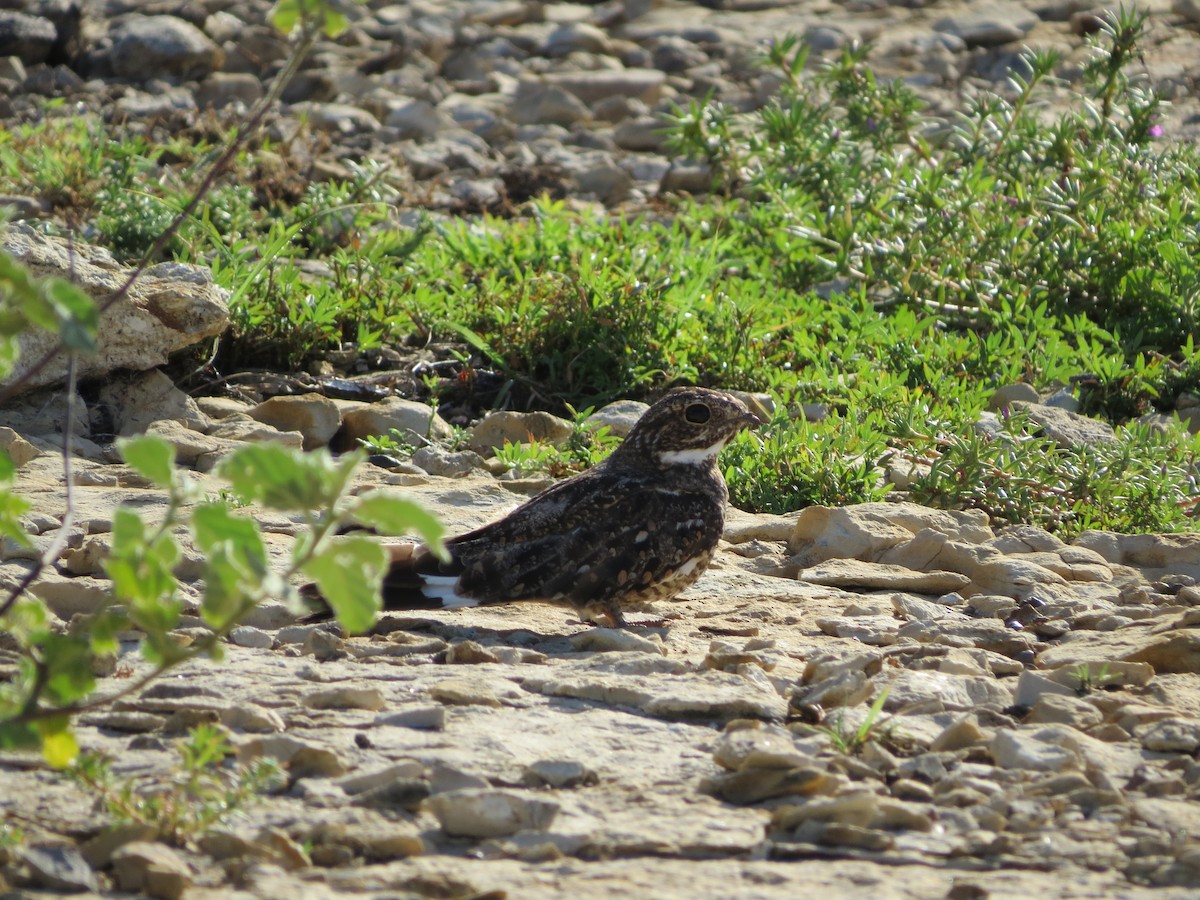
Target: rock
[571, 37]
[486, 813]
[414, 420]
[1069, 430]
[135, 403]
[152, 869]
[996, 23]
[222, 89]
[239, 427]
[1168, 651]
[853, 573]
[19, 450]
[348, 697]
[26, 38]
[536, 103]
[1030, 752]
[613, 640]
[446, 463]
[256, 638]
[705, 696]
[145, 47]
[499, 428]
[931, 691]
[417, 120]
[1065, 710]
[432, 718]
[558, 773]
[171, 307]
[645, 85]
[58, 868]
[316, 417]
[755, 745]
[301, 758]
[1171, 736]
[866, 531]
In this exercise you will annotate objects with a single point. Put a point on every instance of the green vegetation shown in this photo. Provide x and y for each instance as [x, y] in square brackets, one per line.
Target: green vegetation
[203, 794]
[857, 254]
[850, 741]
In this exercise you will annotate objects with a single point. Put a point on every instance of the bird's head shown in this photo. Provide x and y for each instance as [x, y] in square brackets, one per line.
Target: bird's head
[688, 425]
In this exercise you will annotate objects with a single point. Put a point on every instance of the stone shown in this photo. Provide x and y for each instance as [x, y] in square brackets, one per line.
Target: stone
[503, 427]
[445, 463]
[416, 421]
[1171, 736]
[867, 530]
[1069, 430]
[246, 636]
[138, 402]
[1066, 710]
[995, 24]
[145, 47]
[58, 867]
[853, 573]
[558, 773]
[222, 89]
[426, 717]
[702, 696]
[28, 38]
[19, 450]
[347, 697]
[645, 85]
[317, 418]
[536, 103]
[489, 813]
[171, 307]
[301, 758]
[151, 869]
[1028, 752]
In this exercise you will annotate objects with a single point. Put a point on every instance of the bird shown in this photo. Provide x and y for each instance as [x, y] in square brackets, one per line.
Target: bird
[640, 526]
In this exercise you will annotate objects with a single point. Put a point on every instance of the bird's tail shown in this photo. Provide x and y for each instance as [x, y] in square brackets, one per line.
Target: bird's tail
[415, 580]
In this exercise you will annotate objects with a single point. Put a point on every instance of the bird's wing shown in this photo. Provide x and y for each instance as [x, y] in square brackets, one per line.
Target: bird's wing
[616, 536]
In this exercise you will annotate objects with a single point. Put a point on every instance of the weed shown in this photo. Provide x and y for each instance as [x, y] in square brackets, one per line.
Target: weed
[851, 741]
[205, 792]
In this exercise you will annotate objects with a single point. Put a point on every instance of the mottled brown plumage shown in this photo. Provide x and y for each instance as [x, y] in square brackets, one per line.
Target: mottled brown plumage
[640, 526]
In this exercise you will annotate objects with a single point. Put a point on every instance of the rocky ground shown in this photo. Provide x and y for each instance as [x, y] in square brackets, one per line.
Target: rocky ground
[1039, 734]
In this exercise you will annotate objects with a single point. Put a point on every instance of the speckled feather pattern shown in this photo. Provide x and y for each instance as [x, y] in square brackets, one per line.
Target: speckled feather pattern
[639, 526]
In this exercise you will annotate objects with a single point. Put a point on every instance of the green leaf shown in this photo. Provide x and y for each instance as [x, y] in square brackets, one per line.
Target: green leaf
[399, 515]
[286, 479]
[79, 319]
[68, 662]
[349, 573]
[236, 562]
[58, 742]
[152, 457]
[18, 736]
[285, 15]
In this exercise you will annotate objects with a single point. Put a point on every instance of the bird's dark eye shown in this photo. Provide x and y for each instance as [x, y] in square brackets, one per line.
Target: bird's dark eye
[697, 414]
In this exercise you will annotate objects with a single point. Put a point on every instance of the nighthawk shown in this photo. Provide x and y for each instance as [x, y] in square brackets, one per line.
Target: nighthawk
[640, 526]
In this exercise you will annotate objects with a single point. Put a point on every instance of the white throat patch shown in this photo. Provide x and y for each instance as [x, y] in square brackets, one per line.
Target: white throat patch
[693, 456]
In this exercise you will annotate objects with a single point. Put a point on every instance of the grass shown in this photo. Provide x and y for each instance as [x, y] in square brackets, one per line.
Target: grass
[857, 252]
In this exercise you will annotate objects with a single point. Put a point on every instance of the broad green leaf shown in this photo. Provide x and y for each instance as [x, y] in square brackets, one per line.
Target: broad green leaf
[215, 524]
[281, 478]
[68, 662]
[152, 457]
[398, 515]
[18, 736]
[141, 571]
[285, 15]
[349, 573]
[58, 742]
